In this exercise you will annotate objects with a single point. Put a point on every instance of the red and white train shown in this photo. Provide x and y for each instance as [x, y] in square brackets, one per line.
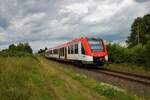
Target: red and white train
[83, 51]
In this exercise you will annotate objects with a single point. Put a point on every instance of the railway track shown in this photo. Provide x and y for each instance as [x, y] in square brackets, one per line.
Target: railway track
[125, 75]
[119, 74]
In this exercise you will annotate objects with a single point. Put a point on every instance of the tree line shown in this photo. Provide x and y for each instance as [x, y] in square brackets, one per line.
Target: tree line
[22, 49]
[138, 44]
[140, 31]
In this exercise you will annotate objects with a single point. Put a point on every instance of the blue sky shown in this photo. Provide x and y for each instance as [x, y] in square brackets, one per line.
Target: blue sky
[46, 23]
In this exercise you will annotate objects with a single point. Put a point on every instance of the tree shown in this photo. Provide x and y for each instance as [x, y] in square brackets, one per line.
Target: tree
[140, 31]
[22, 47]
[42, 50]
[45, 48]
[12, 47]
[146, 27]
[27, 48]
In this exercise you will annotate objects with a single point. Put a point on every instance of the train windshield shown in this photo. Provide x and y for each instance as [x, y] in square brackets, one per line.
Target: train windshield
[95, 44]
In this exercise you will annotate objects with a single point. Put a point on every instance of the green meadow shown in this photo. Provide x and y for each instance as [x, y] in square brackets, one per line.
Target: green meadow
[30, 78]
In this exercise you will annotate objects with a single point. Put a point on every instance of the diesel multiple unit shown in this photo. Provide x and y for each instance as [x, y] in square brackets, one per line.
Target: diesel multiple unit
[83, 51]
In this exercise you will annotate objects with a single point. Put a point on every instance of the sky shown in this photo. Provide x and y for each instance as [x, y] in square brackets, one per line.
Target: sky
[47, 23]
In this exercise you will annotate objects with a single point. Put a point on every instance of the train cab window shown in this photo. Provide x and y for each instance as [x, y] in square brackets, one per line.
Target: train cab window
[95, 44]
[82, 49]
[76, 48]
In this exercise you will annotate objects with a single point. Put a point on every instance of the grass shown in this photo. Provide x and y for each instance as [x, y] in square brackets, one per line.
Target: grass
[103, 89]
[27, 78]
[127, 67]
[66, 88]
[20, 79]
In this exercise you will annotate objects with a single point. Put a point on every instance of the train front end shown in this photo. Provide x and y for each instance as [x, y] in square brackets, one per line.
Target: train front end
[97, 50]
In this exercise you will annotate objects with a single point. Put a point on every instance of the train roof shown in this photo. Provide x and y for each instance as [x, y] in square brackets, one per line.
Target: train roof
[73, 41]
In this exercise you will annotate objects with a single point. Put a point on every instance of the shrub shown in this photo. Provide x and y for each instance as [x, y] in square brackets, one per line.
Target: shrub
[7, 53]
[22, 49]
[118, 54]
[147, 54]
[137, 54]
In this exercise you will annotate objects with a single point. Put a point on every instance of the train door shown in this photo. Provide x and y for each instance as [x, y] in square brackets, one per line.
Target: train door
[65, 53]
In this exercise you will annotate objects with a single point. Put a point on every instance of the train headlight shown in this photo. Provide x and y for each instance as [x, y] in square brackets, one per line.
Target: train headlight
[106, 58]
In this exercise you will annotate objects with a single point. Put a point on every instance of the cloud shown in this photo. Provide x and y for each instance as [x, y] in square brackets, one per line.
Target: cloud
[50, 22]
[141, 1]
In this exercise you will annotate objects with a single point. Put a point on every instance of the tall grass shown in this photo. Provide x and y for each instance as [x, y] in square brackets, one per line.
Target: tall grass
[27, 78]
[107, 90]
[17, 78]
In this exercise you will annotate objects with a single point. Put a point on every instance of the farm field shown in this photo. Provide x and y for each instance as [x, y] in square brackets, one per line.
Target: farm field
[28, 78]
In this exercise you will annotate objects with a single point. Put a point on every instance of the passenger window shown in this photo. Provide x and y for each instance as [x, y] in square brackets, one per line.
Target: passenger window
[63, 51]
[55, 51]
[76, 48]
[68, 49]
[50, 52]
[82, 49]
[71, 49]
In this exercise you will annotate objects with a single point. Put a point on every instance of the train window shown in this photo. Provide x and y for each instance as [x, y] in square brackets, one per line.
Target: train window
[63, 51]
[50, 52]
[68, 49]
[72, 49]
[76, 48]
[82, 49]
[55, 51]
[95, 44]
[60, 51]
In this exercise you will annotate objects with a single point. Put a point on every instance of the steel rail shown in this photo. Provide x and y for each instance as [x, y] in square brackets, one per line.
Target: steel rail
[125, 75]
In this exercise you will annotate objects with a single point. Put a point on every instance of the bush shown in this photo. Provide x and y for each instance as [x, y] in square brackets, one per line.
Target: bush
[137, 54]
[22, 49]
[118, 54]
[7, 53]
[147, 54]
